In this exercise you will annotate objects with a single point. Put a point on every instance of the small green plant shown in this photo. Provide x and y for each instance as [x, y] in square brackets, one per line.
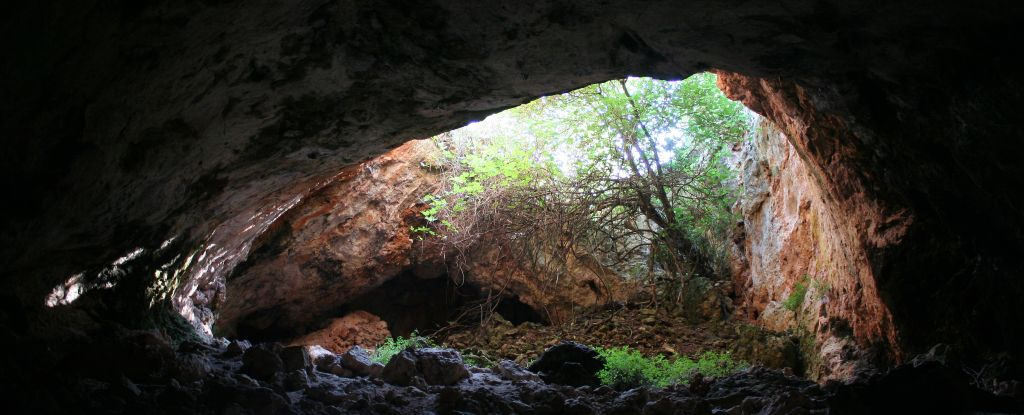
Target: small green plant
[423, 230]
[627, 368]
[796, 296]
[436, 205]
[393, 345]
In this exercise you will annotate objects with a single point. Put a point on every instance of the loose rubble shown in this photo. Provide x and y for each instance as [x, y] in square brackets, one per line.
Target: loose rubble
[271, 379]
[662, 333]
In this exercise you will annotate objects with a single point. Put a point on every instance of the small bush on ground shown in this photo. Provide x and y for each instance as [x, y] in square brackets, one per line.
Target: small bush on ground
[394, 345]
[627, 368]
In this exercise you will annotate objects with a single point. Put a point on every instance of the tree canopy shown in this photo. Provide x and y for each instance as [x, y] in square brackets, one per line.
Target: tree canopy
[631, 172]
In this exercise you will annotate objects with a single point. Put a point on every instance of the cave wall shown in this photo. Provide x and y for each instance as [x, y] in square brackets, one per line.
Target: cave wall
[128, 124]
[347, 238]
[789, 240]
[916, 249]
[349, 245]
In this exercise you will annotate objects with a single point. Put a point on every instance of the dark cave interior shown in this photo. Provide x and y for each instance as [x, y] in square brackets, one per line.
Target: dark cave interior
[192, 128]
[408, 303]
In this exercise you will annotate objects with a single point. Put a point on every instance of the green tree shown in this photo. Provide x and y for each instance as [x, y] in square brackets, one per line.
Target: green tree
[656, 151]
[631, 172]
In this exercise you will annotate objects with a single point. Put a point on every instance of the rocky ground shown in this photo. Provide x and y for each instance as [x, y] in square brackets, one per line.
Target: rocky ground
[141, 372]
[649, 330]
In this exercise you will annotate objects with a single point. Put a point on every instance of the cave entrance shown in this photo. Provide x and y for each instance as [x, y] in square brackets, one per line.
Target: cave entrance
[631, 181]
[618, 193]
[408, 304]
[517, 312]
[561, 211]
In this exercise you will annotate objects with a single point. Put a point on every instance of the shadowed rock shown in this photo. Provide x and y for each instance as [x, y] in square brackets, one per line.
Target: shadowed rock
[262, 361]
[569, 363]
[358, 361]
[432, 366]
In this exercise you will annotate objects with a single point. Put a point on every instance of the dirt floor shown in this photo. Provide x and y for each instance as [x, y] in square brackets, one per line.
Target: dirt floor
[648, 330]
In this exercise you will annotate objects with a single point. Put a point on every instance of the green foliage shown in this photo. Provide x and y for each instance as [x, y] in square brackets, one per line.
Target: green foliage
[435, 205]
[421, 231]
[670, 138]
[718, 364]
[393, 345]
[796, 296]
[618, 171]
[626, 367]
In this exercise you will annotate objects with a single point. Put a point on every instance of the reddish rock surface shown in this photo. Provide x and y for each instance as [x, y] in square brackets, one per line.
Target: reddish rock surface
[342, 241]
[338, 247]
[789, 236]
[581, 284]
[340, 334]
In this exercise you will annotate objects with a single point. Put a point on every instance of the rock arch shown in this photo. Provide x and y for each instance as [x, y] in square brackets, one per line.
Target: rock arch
[128, 126]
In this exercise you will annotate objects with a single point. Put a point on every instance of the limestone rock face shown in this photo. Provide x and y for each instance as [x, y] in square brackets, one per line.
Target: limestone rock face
[789, 237]
[338, 243]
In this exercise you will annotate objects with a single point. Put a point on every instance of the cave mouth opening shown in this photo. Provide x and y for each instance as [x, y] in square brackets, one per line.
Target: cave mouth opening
[410, 304]
[879, 97]
[606, 205]
[540, 169]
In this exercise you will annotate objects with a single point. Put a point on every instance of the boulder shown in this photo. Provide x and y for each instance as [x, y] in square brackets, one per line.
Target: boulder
[295, 358]
[358, 361]
[262, 361]
[401, 369]
[434, 366]
[772, 349]
[569, 363]
[338, 370]
[236, 348]
[320, 357]
[441, 366]
[512, 371]
[191, 367]
[295, 380]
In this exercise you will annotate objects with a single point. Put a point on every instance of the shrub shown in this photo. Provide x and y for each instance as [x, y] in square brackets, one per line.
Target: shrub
[394, 345]
[627, 368]
[796, 296]
[718, 364]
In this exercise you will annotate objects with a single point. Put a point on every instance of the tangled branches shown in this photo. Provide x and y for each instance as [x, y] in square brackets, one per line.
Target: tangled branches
[631, 181]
